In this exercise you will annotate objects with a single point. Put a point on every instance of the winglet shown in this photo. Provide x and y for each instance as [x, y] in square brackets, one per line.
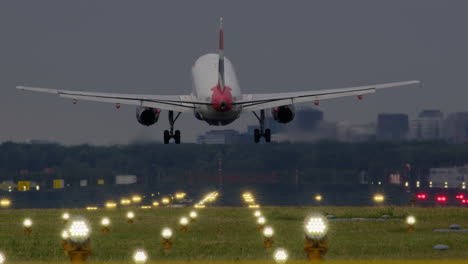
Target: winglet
[221, 55]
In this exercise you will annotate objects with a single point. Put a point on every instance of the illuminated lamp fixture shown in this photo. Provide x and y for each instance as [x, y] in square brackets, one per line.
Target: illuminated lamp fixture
[280, 256]
[27, 224]
[105, 222]
[410, 221]
[130, 217]
[261, 223]
[183, 222]
[316, 242]
[166, 234]
[75, 239]
[268, 233]
[140, 256]
[193, 216]
[65, 217]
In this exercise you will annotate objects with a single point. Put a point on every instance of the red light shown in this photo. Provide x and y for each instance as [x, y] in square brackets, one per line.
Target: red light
[359, 97]
[441, 199]
[316, 102]
[422, 196]
[117, 105]
[464, 201]
[460, 196]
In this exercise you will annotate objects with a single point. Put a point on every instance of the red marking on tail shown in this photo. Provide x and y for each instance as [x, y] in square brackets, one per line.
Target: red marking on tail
[221, 100]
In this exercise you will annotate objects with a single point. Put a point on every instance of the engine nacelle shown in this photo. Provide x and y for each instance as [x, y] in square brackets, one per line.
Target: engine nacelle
[283, 114]
[147, 116]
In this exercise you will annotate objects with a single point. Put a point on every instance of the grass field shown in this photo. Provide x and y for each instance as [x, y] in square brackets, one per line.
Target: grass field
[230, 234]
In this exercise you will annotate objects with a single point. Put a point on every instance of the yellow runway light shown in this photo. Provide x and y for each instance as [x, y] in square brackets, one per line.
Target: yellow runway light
[65, 217]
[193, 216]
[76, 240]
[379, 198]
[165, 201]
[184, 224]
[257, 213]
[261, 223]
[111, 205]
[318, 198]
[105, 222]
[136, 199]
[5, 203]
[145, 207]
[2, 258]
[155, 204]
[91, 208]
[180, 195]
[125, 201]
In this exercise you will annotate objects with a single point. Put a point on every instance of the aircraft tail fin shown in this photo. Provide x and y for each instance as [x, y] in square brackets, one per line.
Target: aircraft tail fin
[221, 55]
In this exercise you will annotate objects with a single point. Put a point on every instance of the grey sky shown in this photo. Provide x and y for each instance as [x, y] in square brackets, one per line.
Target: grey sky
[276, 46]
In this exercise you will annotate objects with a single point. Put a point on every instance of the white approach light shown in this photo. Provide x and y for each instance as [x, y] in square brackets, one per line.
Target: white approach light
[193, 215]
[315, 226]
[280, 255]
[257, 213]
[166, 233]
[130, 215]
[78, 229]
[411, 220]
[27, 223]
[65, 216]
[268, 232]
[105, 222]
[140, 256]
[184, 221]
[65, 235]
[2, 258]
[261, 220]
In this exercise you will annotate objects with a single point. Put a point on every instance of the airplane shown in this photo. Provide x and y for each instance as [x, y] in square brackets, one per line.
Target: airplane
[216, 98]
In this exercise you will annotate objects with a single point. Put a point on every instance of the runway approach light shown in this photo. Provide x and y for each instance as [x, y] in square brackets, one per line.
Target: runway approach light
[2, 258]
[199, 206]
[268, 233]
[280, 255]
[193, 216]
[125, 201]
[248, 198]
[261, 223]
[91, 208]
[155, 204]
[184, 224]
[318, 198]
[130, 217]
[136, 199]
[166, 234]
[254, 206]
[145, 207]
[316, 242]
[5, 203]
[379, 198]
[76, 240]
[140, 256]
[257, 213]
[105, 222]
[411, 221]
[111, 205]
[166, 201]
[180, 195]
[65, 217]
[27, 224]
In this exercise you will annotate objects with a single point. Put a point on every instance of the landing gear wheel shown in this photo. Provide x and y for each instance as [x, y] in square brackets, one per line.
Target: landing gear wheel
[257, 135]
[167, 137]
[267, 135]
[177, 137]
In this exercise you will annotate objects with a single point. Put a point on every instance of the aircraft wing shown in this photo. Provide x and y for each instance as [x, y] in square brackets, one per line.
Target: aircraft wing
[177, 103]
[255, 102]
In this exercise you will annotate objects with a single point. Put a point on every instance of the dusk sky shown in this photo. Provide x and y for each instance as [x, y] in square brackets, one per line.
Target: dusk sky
[148, 47]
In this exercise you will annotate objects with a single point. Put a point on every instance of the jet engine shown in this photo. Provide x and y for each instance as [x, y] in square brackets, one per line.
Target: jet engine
[147, 116]
[283, 114]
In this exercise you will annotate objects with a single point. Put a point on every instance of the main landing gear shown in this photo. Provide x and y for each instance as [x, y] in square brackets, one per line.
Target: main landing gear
[259, 133]
[170, 134]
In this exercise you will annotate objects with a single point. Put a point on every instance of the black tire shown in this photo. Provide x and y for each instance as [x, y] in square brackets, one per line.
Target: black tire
[267, 135]
[167, 137]
[257, 135]
[177, 136]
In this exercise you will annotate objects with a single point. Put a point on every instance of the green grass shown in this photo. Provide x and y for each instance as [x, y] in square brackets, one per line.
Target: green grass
[230, 234]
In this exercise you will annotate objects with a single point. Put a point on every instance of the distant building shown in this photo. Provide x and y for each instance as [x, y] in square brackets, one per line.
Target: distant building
[392, 127]
[428, 125]
[455, 128]
[307, 119]
[220, 137]
[349, 132]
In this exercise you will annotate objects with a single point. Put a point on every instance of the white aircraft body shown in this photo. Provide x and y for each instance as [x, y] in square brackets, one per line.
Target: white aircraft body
[216, 97]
